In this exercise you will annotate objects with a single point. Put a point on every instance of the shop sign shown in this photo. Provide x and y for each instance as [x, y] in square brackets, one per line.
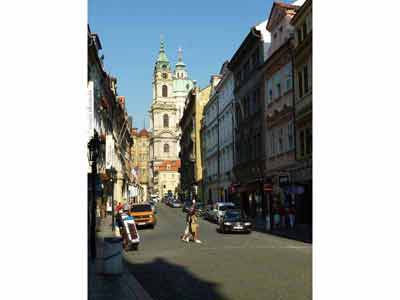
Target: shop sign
[90, 108]
[267, 187]
[109, 151]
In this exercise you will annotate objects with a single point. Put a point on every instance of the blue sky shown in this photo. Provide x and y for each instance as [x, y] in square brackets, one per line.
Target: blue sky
[208, 31]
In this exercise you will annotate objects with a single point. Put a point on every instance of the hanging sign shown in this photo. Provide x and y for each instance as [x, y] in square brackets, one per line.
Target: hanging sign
[109, 151]
[90, 108]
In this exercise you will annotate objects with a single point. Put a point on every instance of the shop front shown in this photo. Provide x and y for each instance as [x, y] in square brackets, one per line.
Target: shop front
[252, 199]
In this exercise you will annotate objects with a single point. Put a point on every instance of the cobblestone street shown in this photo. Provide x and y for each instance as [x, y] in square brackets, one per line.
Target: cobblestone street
[225, 266]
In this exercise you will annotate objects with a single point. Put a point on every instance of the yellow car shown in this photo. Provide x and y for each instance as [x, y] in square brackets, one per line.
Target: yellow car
[143, 215]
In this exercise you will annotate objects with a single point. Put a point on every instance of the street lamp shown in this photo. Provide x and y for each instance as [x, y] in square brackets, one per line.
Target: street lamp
[93, 154]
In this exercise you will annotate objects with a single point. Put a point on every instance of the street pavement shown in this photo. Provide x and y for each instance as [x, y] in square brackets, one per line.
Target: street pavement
[224, 267]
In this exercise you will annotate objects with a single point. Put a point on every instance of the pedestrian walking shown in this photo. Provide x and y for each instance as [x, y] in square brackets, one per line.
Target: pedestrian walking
[292, 214]
[277, 218]
[282, 213]
[187, 233]
[194, 224]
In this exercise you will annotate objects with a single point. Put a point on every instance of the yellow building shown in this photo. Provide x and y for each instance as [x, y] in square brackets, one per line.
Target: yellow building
[140, 162]
[190, 155]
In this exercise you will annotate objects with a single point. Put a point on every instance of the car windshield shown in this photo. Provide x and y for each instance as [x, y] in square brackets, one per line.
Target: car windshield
[226, 207]
[233, 216]
[141, 208]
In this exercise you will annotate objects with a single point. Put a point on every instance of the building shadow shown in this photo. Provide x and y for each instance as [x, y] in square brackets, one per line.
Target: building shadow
[166, 281]
[299, 233]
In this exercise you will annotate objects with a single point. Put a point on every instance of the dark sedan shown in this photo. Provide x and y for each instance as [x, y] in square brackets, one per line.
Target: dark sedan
[233, 221]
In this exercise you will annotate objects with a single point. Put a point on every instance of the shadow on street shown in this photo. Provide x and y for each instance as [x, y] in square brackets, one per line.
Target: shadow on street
[166, 281]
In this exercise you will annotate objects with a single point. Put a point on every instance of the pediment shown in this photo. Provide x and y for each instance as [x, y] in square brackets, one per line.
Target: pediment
[166, 133]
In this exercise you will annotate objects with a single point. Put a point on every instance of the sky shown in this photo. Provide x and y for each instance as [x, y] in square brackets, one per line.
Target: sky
[209, 32]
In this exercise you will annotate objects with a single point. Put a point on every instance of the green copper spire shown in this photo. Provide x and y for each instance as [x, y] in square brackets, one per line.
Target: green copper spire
[162, 57]
[180, 62]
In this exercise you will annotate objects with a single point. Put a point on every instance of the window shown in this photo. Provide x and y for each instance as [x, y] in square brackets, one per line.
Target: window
[280, 141]
[278, 89]
[166, 121]
[273, 144]
[164, 91]
[280, 29]
[270, 91]
[187, 86]
[302, 146]
[164, 75]
[305, 74]
[166, 148]
[300, 84]
[275, 35]
[308, 141]
[288, 77]
[164, 66]
[290, 135]
[277, 83]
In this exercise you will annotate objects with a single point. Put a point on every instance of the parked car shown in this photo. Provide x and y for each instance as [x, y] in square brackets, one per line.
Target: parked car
[219, 210]
[143, 214]
[232, 221]
[175, 203]
[208, 213]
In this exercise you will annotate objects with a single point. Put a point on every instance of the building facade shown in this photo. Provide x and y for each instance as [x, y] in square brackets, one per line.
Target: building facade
[249, 140]
[278, 98]
[140, 161]
[190, 143]
[170, 89]
[109, 119]
[217, 137]
[210, 134]
[302, 62]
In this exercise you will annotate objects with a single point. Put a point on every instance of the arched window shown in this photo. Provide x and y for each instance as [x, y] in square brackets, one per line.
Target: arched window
[166, 121]
[166, 148]
[164, 91]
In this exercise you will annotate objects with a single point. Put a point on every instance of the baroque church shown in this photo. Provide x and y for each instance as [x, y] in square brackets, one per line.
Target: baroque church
[170, 88]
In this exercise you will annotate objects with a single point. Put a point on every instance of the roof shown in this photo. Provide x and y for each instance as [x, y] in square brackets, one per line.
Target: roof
[162, 57]
[143, 133]
[173, 164]
[277, 5]
[301, 10]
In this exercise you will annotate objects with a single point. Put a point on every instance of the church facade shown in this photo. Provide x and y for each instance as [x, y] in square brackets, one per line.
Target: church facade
[170, 88]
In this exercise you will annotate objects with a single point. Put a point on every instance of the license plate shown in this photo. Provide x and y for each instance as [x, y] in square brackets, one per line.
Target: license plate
[142, 223]
[238, 227]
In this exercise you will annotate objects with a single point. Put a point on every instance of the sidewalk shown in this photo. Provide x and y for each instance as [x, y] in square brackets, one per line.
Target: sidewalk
[301, 233]
[115, 287]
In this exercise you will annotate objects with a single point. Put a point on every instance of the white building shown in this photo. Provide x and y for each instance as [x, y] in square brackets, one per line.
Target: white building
[225, 120]
[218, 138]
[170, 89]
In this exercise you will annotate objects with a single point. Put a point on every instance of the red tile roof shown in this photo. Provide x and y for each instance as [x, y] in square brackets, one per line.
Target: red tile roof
[144, 132]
